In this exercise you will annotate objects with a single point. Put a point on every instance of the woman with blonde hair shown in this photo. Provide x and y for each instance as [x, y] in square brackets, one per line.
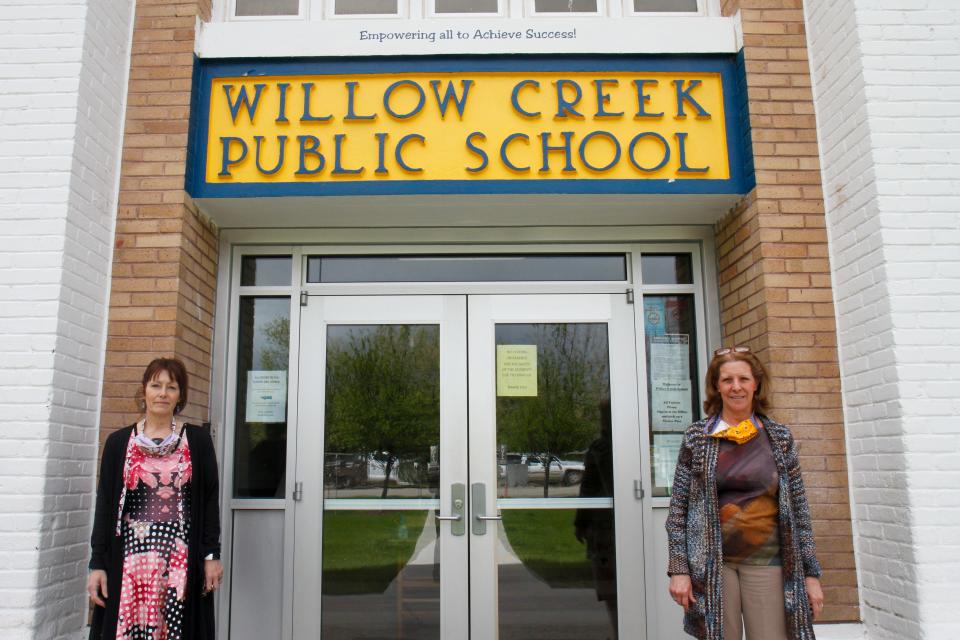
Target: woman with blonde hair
[741, 549]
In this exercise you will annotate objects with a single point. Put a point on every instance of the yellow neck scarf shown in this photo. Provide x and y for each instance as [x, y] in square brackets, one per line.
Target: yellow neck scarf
[741, 433]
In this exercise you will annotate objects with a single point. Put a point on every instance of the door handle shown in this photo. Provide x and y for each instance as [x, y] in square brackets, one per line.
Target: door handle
[478, 493]
[458, 500]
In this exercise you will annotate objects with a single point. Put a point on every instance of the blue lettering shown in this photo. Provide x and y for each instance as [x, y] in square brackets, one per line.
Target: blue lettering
[399, 152]
[421, 99]
[306, 117]
[503, 151]
[381, 152]
[616, 146]
[282, 111]
[309, 145]
[683, 95]
[351, 98]
[515, 98]
[546, 148]
[633, 147]
[243, 100]
[451, 94]
[682, 148]
[643, 99]
[227, 161]
[565, 108]
[603, 99]
[484, 159]
[282, 142]
[338, 169]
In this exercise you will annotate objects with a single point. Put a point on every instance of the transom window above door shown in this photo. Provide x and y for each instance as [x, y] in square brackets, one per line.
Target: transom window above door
[468, 268]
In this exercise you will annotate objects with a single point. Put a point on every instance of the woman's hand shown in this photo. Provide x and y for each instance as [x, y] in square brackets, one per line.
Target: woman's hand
[97, 585]
[681, 590]
[212, 575]
[815, 595]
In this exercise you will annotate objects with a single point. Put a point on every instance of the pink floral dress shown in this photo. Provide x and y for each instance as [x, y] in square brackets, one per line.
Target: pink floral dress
[154, 514]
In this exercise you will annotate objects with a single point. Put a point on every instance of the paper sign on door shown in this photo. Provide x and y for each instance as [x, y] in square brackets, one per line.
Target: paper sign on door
[517, 370]
[266, 396]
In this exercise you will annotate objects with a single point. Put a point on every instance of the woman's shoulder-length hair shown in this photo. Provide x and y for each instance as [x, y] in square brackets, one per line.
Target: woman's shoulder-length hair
[714, 403]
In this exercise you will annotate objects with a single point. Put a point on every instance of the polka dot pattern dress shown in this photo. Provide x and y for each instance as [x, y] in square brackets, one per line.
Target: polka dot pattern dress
[154, 514]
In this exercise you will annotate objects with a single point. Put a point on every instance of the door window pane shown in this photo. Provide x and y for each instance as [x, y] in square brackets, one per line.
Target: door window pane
[265, 271]
[260, 445]
[381, 575]
[553, 410]
[565, 6]
[666, 268]
[469, 268]
[382, 424]
[664, 6]
[672, 385]
[268, 7]
[557, 574]
[466, 6]
[365, 7]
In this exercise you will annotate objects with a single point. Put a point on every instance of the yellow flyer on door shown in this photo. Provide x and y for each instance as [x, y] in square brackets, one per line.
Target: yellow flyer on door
[516, 370]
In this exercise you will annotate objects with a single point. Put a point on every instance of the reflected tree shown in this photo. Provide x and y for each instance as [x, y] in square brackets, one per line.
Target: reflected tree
[383, 393]
[572, 377]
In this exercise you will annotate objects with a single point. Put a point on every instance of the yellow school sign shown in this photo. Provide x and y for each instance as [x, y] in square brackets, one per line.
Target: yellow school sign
[299, 133]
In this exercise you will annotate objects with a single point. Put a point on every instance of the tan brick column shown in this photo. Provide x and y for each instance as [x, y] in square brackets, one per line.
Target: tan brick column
[775, 289]
[164, 264]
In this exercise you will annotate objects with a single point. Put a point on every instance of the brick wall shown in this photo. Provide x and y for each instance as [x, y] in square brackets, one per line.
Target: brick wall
[63, 73]
[775, 287]
[164, 271]
[886, 89]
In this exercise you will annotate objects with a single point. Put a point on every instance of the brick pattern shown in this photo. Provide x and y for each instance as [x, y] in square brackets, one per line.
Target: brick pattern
[888, 139]
[775, 285]
[62, 81]
[164, 272]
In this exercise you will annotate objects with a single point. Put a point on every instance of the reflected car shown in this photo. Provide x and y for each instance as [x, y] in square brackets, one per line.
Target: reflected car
[565, 472]
[344, 470]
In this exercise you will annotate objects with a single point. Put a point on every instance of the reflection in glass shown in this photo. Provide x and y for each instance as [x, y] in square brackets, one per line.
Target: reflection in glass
[262, 271]
[557, 574]
[381, 575]
[666, 268]
[672, 380]
[664, 6]
[469, 268]
[565, 6]
[466, 6]
[268, 7]
[545, 431]
[382, 424]
[365, 7]
[260, 445]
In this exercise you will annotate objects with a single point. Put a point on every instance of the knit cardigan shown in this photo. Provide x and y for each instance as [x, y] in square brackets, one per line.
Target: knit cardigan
[694, 536]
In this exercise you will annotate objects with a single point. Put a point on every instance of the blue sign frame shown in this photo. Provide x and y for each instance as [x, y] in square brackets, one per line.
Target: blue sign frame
[741, 181]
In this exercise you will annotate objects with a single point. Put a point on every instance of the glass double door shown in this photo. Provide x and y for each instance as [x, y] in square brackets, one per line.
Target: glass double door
[467, 469]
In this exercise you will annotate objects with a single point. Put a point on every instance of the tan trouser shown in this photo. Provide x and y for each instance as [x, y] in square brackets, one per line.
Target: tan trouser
[753, 598]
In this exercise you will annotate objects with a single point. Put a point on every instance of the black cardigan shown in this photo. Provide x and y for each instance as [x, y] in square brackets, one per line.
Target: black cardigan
[107, 547]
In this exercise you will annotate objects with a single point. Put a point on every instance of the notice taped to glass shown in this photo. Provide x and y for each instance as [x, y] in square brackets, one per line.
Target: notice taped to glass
[517, 370]
[671, 406]
[266, 396]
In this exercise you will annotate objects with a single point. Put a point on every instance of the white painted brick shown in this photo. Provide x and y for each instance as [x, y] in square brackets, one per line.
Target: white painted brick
[887, 89]
[62, 84]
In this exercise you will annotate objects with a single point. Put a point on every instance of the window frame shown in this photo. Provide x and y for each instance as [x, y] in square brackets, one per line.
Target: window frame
[302, 14]
[429, 11]
[629, 12]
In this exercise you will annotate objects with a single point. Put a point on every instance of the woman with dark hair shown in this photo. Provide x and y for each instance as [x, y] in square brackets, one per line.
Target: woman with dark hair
[156, 530]
[742, 555]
